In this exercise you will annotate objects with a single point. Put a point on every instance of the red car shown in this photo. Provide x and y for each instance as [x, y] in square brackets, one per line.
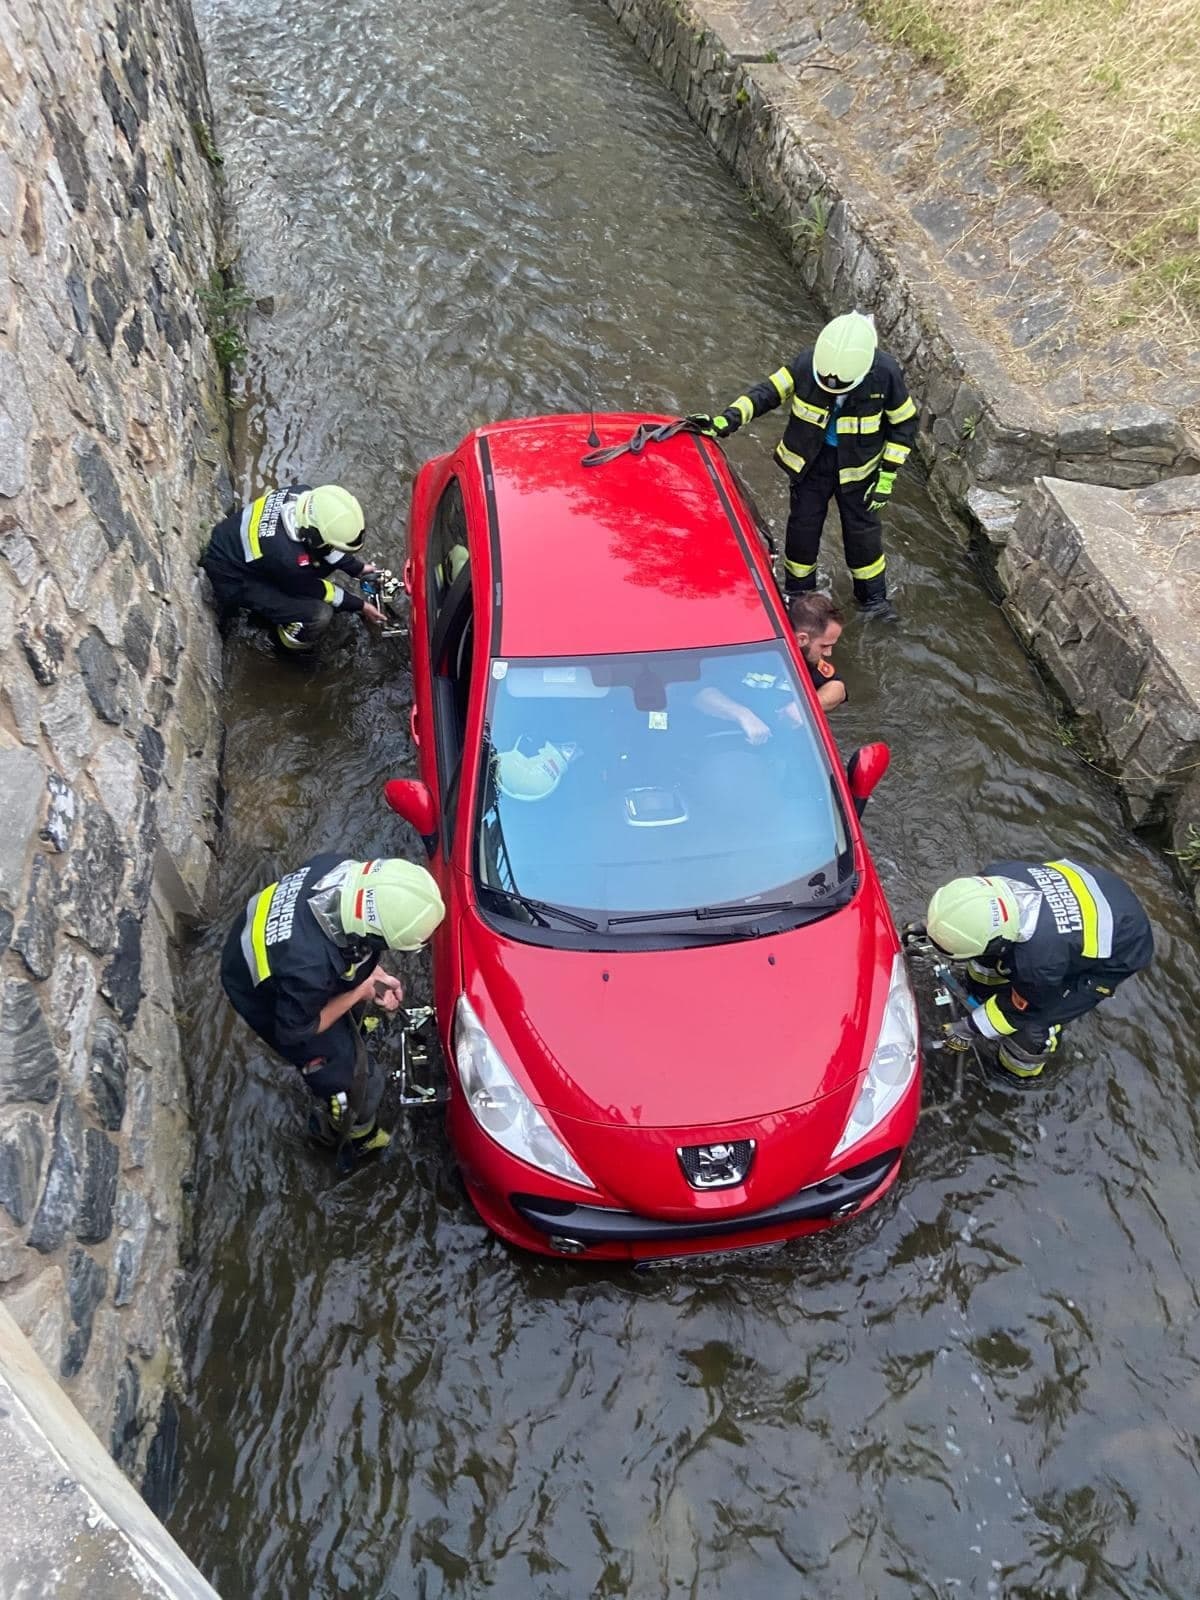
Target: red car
[668, 984]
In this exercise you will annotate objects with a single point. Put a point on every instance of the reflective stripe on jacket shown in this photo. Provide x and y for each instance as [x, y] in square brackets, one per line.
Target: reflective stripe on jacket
[292, 963]
[876, 426]
[253, 542]
[1090, 928]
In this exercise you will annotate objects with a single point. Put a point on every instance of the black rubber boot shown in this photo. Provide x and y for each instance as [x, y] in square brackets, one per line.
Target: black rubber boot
[871, 597]
[1020, 1066]
[795, 586]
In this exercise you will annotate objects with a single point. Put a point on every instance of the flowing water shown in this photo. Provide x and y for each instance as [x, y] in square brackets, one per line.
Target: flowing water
[990, 1384]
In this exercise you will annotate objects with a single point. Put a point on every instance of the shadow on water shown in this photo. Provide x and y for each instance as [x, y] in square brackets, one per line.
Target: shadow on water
[985, 1387]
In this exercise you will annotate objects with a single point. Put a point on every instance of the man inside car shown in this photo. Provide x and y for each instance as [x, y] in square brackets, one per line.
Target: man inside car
[817, 624]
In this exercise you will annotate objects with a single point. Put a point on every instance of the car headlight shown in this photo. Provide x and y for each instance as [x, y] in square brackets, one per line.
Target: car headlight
[892, 1064]
[500, 1106]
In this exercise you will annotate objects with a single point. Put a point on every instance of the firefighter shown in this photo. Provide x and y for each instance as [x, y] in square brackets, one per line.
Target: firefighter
[1045, 942]
[276, 558]
[851, 425]
[301, 967]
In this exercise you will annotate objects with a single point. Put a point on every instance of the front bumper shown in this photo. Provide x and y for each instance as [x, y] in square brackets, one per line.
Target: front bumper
[590, 1226]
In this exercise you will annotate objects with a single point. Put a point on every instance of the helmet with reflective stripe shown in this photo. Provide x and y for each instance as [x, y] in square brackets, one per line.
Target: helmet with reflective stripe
[396, 901]
[966, 914]
[334, 513]
[523, 777]
[844, 351]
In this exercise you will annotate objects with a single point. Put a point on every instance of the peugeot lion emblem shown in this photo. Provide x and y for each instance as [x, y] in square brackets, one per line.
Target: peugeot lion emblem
[716, 1166]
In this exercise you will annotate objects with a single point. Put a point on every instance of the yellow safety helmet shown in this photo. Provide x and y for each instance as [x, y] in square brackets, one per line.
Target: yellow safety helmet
[844, 351]
[393, 900]
[523, 777]
[334, 513]
[966, 914]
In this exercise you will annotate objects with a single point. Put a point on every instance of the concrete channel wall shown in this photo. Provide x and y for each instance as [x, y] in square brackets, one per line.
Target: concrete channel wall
[1035, 442]
[112, 467]
[73, 1527]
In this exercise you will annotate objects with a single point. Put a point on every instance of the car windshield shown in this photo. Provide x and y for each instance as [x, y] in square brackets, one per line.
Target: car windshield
[634, 786]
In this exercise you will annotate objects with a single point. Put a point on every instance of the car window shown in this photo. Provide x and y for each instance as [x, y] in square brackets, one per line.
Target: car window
[649, 783]
[448, 552]
[452, 655]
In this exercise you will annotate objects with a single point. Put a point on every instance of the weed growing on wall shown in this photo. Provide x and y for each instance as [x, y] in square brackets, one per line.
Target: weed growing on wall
[224, 300]
[208, 145]
[814, 224]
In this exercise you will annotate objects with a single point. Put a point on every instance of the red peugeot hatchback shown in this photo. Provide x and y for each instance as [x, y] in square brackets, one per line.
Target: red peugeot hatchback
[668, 984]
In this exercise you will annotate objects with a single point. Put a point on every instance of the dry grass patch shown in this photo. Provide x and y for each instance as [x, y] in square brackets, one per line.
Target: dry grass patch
[1099, 100]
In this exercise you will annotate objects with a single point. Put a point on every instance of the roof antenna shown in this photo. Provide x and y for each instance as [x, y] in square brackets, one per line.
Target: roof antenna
[593, 437]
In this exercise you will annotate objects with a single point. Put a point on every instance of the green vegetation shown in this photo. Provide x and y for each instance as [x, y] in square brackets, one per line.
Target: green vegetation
[1099, 102]
[1188, 855]
[224, 300]
[814, 224]
[208, 145]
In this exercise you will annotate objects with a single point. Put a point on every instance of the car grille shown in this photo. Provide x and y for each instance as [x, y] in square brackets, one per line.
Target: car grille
[716, 1166]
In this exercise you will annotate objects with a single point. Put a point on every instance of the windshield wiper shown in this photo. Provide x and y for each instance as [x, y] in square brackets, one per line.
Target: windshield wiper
[829, 901]
[705, 913]
[542, 910]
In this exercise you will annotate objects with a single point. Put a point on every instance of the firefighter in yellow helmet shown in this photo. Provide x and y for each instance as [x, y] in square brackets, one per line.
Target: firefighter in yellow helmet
[301, 965]
[1043, 942]
[277, 557]
[851, 424]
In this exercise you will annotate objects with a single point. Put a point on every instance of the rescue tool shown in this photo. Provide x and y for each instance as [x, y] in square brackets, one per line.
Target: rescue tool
[381, 589]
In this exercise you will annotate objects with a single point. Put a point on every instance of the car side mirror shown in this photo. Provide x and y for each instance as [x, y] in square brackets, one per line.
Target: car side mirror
[412, 800]
[864, 770]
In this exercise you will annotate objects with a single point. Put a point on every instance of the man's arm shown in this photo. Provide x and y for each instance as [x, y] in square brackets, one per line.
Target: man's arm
[758, 399]
[715, 704]
[336, 1008]
[343, 561]
[832, 693]
[309, 1004]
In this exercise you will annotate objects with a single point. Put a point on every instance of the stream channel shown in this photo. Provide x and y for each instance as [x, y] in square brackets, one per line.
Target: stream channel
[990, 1384]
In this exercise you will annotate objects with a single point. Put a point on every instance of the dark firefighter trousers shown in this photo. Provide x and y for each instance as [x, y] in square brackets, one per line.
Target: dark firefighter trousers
[333, 1062]
[1036, 1034]
[297, 620]
[862, 531]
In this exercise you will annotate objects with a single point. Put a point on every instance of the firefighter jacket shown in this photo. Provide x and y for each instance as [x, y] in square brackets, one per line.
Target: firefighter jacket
[1079, 928]
[292, 963]
[876, 425]
[260, 542]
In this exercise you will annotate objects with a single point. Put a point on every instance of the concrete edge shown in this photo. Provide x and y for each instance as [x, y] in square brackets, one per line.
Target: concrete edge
[107, 1517]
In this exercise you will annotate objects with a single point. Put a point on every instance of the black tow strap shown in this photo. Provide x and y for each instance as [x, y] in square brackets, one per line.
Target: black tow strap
[645, 433]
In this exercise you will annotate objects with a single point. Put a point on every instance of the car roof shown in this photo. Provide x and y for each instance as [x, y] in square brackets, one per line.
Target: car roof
[640, 553]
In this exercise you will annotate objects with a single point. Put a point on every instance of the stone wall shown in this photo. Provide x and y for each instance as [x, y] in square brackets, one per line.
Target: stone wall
[1101, 584]
[1018, 414]
[112, 430]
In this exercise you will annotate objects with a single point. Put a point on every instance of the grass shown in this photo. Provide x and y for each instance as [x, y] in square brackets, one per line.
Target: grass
[224, 300]
[1099, 102]
[814, 224]
[1188, 855]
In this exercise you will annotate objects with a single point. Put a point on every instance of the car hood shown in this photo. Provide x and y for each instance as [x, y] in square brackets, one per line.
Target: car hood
[692, 1037]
